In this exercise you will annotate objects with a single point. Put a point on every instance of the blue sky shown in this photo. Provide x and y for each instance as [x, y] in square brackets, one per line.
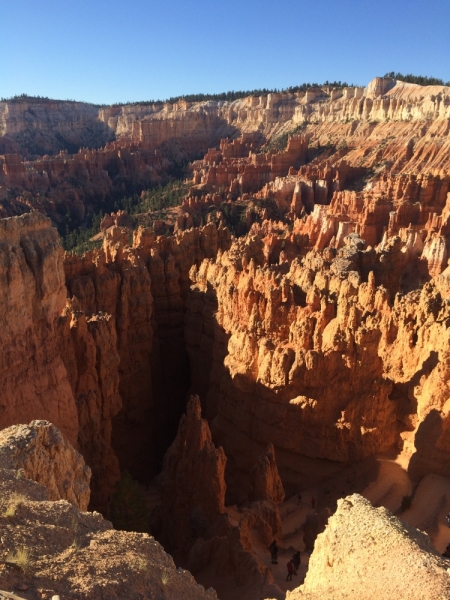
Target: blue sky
[109, 51]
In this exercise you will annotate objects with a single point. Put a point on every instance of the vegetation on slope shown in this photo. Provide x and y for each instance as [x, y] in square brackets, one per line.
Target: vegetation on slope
[155, 200]
[418, 79]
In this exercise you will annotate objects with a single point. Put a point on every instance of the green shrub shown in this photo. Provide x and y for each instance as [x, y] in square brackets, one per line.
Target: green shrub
[129, 511]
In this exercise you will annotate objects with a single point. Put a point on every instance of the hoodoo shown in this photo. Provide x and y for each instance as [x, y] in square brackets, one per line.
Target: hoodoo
[230, 318]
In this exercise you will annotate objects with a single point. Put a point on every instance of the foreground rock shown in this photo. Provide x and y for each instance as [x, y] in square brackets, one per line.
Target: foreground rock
[43, 455]
[366, 553]
[52, 548]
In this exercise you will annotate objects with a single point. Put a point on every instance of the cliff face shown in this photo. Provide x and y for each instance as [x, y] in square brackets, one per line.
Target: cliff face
[68, 187]
[111, 287]
[83, 355]
[32, 296]
[394, 127]
[57, 363]
[316, 356]
[45, 127]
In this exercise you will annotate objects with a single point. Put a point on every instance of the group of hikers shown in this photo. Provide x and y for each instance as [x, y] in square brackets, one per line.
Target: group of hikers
[292, 566]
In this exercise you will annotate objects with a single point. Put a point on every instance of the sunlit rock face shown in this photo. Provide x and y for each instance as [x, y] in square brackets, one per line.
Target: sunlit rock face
[365, 552]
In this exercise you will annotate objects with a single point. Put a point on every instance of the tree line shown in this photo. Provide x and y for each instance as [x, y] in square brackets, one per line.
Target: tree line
[418, 79]
[229, 96]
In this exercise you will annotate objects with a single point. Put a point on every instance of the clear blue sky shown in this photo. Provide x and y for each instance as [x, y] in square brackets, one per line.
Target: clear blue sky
[119, 50]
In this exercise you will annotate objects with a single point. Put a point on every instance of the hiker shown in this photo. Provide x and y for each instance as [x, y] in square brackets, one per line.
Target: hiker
[296, 560]
[313, 502]
[447, 518]
[299, 498]
[290, 568]
[274, 552]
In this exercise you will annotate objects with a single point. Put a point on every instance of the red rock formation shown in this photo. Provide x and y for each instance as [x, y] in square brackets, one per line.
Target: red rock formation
[112, 287]
[88, 349]
[265, 480]
[119, 219]
[216, 542]
[71, 553]
[192, 482]
[57, 364]
[76, 184]
[280, 334]
[32, 296]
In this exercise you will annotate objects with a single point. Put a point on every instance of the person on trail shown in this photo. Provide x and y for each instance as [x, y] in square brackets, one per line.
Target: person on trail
[447, 518]
[274, 552]
[296, 560]
[290, 568]
[313, 502]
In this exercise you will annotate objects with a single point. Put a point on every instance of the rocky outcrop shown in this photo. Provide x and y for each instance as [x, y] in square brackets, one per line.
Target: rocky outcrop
[67, 552]
[42, 454]
[88, 348]
[279, 334]
[40, 126]
[265, 480]
[215, 542]
[69, 187]
[192, 482]
[368, 553]
[113, 290]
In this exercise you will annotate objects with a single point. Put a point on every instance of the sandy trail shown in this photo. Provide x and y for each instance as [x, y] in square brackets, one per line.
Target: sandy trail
[430, 505]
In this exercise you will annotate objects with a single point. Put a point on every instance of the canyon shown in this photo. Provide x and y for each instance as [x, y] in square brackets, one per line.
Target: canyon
[300, 298]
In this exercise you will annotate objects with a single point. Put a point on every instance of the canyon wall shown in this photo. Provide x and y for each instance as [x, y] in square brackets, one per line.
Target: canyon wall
[320, 357]
[45, 127]
[57, 364]
[325, 293]
[34, 126]
[85, 347]
[68, 188]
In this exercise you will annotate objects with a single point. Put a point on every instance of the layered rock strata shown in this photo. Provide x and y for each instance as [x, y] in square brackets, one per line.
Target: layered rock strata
[57, 364]
[48, 125]
[112, 288]
[70, 187]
